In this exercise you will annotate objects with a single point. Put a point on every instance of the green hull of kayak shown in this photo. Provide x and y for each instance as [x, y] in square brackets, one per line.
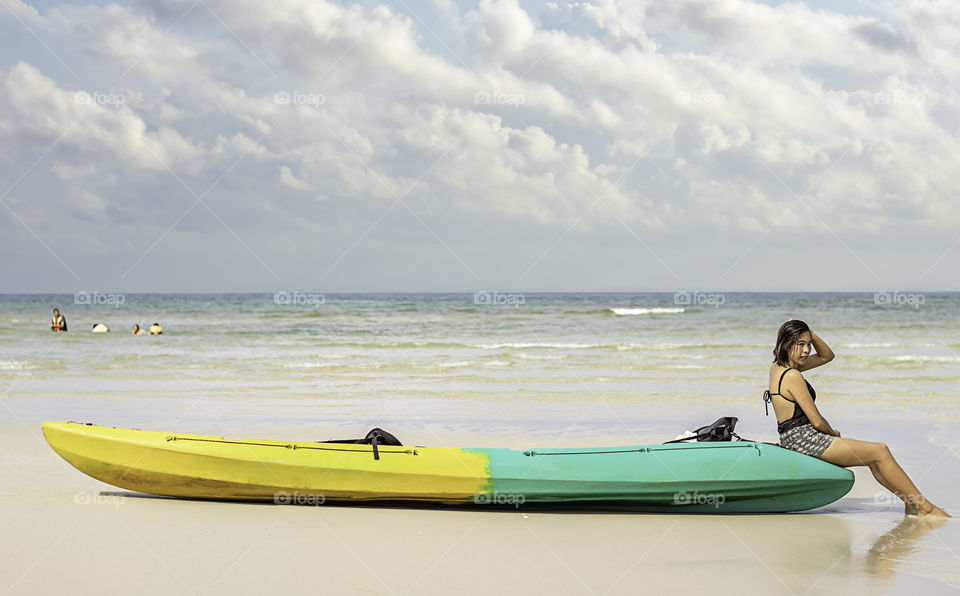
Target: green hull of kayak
[722, 477]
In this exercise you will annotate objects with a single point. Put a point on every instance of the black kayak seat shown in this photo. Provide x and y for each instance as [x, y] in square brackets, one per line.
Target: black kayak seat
[375, 437]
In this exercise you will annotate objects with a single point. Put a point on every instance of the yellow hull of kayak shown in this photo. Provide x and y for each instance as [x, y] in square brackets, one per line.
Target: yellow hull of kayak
[199, 466]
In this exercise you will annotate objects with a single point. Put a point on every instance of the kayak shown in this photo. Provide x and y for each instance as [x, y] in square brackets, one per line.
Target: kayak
[705, 477]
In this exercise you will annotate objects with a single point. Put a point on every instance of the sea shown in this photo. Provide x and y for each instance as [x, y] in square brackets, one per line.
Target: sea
[509, 368]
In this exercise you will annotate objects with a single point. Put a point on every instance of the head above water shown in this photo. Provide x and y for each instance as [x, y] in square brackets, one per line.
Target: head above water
[793, 343]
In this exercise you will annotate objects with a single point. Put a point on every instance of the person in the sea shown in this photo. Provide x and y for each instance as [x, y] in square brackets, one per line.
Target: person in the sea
[155, 329]
[137, 330]
[59, 323]
[803, 428]
[100, 328]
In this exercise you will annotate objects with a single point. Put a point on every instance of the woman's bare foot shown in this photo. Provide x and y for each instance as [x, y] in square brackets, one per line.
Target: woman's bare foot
[928, 509]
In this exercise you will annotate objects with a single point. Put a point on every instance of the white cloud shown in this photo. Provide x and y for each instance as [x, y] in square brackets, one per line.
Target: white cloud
[669, 118]
[288, 179]
[93, 122]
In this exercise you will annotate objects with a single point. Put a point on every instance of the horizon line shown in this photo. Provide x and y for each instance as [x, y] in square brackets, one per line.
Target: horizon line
[474, 292]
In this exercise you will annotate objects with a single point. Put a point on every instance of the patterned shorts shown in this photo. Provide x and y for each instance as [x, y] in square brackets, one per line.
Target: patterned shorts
[806, 440]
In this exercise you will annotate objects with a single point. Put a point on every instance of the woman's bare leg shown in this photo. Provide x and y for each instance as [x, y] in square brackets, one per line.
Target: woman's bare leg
[877, 456]
[878, 474]
[907, 507]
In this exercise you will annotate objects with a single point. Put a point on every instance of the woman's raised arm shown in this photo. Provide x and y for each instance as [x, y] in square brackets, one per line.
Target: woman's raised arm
[824, 353]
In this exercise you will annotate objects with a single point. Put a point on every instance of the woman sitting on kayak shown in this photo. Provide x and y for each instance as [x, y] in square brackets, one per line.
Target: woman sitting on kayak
[803, 428]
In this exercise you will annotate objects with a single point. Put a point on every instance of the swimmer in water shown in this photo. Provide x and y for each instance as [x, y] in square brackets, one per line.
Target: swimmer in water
[155, 329]
[59, 323]
[137, 330]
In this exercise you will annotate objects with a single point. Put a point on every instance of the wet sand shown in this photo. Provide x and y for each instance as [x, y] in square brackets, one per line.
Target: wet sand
[66, 532]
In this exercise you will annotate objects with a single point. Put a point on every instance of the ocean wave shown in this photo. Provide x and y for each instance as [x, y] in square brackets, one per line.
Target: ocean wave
[394, 366]
[666, 346]
[888, 345]
[463, 363]
[456, 364]
[536, 357]
[523, 345]
[416, 344]
[920, 358]
[646, 311]
[310, 364]
[14, 365]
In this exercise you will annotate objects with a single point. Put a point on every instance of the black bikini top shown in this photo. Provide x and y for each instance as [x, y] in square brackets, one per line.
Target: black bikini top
[797, 411]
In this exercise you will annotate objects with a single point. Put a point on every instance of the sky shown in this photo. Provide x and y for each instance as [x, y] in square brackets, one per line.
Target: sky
[503, 145]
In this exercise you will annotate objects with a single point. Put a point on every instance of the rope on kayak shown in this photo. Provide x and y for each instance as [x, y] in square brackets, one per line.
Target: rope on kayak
[287, 445]
[531, 452]
[640, 450]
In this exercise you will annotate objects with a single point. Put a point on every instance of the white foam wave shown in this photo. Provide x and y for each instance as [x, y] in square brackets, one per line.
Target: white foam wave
[645, 311]
[658, 346]
[919, 358]
[886, 345]
[536, 357]
[13, 365]
[310, 364]
[523, 345]
[463, 363]
[456, 364]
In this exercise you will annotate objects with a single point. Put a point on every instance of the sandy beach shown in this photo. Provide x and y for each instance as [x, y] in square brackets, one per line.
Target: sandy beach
[66, 532]
[565, 371]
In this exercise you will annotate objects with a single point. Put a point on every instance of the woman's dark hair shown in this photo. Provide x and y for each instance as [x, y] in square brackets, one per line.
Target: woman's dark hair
[788, 335]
